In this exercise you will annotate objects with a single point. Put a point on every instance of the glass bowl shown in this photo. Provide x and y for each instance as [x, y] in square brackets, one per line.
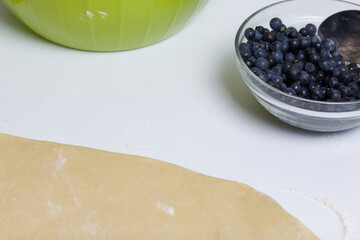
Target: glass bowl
[299, 112]
[105, 25]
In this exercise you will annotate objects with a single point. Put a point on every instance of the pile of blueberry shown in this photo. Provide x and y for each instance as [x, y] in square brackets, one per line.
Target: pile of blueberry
[300, 63]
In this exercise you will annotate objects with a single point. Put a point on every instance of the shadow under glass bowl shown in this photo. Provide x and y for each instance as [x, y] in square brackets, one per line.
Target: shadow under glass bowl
[105, 25]
[299, 112]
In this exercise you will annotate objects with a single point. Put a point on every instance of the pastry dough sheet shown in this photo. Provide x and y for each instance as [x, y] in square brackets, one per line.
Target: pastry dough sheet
[56, 191]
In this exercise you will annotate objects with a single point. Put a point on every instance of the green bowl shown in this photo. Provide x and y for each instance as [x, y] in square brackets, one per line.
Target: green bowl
[105, 25]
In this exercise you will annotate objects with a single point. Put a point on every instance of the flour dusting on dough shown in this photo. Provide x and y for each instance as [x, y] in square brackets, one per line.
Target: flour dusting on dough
[89, 226]
[241, 193]
[59, 163]
[166, 208]
[53, 208]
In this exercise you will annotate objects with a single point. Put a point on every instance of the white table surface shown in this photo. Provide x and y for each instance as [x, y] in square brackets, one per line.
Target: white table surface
[181, 101]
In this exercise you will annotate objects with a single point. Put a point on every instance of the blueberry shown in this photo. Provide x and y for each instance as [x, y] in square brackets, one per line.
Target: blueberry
[320, 75]
[357, 96]
[336, 72]
[301, 55]
[316, 42]
[289, 57]
[245, 55]
[296, 86]
[277, 80]
[249, 33]
[260, 52]
[304, 92]
[257, 36]
[262, 63]
[314, 57]
[262, 44]
[352, 66]
[313, 85]
[294, 44]
[277, 70]
[271, 61]
[279, 36]
[245, 47]
[286, 67]
[310, 50]
[332, 82]
[343, 68]
[318, 93]
[305, 42]
[284, 47]
[275, 46]
[250, 62]
[315, 97]
[326, 65]
[287, 31]
[313, 78]
[269, 37]
[303, 31]
[262, 75]
[329, 44]
[339, 61]
[276, 24]
[356, 79]
[345, 90]
[278, 56]
[345, 77]
[269, 74]
[310, 67]
[299, 65]
[267, 46]
[294, 72]
[315, 39]
[337, 55]
[260, 29]
[333, 95]
[255, 70]
[332, 62]
[324, 53]
[290, 91]
[311, 29]
[291, 32]
[255, 46]
[318, 46]
[304, 78]
[354, 88]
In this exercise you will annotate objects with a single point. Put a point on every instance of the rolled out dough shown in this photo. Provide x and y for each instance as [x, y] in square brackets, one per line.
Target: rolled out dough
[56, 191]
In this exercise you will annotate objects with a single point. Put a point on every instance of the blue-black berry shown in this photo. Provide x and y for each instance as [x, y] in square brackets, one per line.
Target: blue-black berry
[262, 63]
[333, 95]
[311, 29]
[276, 24]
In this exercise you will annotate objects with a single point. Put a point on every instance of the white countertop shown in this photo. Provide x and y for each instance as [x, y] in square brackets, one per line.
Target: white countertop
[181, 101]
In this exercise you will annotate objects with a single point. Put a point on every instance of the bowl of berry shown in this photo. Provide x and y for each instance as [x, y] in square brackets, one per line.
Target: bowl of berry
[296, 74]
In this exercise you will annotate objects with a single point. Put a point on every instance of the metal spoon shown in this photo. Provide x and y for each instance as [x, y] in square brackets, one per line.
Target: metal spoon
[344, 28]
